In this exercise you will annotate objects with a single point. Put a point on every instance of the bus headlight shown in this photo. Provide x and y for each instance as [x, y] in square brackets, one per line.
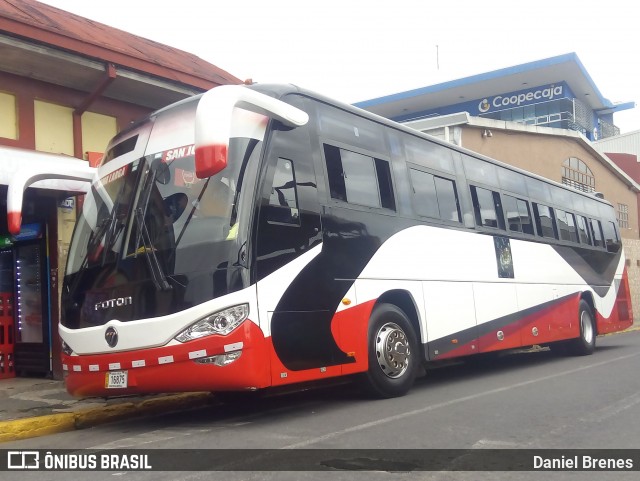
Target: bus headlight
[221, 323]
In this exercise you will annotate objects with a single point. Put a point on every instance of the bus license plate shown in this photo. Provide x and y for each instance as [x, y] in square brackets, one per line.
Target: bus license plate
[115, 379]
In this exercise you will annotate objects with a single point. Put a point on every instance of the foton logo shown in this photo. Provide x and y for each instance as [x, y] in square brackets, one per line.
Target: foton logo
[111, 303]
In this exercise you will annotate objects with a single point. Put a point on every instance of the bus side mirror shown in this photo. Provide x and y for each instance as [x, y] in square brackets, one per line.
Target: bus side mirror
[210, 160]
[214, 121]
[41, 170]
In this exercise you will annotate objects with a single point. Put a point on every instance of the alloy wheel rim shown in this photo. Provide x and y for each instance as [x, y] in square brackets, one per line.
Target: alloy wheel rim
[392, 350]
[587, 327]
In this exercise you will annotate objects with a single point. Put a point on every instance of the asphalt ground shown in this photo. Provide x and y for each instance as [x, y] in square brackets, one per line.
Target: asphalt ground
[32, 407]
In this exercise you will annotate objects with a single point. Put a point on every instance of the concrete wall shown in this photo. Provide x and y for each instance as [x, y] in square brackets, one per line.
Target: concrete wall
[632, 252]
[8, 116]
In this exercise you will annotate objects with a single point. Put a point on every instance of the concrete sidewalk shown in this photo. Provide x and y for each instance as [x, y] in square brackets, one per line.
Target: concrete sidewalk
[31, 407]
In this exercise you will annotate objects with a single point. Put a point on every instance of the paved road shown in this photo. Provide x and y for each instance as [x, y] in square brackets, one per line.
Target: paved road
[524, 401]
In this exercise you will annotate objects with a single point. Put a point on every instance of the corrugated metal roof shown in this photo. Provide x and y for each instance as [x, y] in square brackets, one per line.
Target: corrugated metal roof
[628, 143]
[58, 28]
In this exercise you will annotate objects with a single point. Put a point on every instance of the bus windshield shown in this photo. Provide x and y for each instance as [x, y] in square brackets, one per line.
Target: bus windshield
[154, 232]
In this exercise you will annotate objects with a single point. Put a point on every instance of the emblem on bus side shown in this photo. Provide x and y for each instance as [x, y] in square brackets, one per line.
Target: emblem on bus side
[111, 336]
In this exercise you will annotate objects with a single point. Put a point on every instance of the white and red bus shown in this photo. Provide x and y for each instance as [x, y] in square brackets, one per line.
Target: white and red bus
[257, 236]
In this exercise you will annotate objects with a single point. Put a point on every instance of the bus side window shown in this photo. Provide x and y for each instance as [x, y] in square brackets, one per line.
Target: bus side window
[596, 228]
[583, 230]
[283, 200]
[425, 201]
[611, 238]
[487, 208]
[333, 162]
[448, 199]
[567, 226]
[545, 221]
[518, 215]
[434, 196]
[573, 231]
[359, 179]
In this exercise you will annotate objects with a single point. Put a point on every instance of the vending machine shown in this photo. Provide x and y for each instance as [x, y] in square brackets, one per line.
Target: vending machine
[7, 332]
[25, 283]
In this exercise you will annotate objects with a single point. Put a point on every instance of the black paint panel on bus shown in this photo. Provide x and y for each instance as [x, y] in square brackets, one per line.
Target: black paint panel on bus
[596, 267]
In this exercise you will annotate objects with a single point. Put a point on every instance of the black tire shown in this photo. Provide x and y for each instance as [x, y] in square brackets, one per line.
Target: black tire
[393, 353]
[585, 344]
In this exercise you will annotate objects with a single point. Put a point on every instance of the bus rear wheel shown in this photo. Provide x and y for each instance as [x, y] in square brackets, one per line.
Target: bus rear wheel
[393, 353]
[585, 344]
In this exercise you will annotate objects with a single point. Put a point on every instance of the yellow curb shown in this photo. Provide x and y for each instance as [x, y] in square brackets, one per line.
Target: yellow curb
[58, 423]
[38, 426]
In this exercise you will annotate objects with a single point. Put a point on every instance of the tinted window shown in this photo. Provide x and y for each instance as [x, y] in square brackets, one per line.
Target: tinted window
[351, 129]
[447, 199]
[425, 153]
[538, 189]
[560, 196]
[434, 196]
[122, 148]
[283, 191]
[583, 230]
[518, 215]
[480, 170]
[611, 237]
[283, 200]
[596, 229]
[384, 183]
[337, 188]
[567, 226]
[487, 208]
[359, 179]
[544, 221]
[424, 190]
[512, 181]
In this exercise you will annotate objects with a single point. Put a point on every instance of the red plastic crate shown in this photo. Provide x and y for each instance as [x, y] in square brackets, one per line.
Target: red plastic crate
[7, 368]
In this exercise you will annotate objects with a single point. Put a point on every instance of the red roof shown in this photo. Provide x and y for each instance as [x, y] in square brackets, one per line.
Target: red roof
[48, 25]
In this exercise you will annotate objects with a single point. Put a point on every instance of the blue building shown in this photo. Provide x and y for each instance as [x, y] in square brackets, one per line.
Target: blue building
[554, 92]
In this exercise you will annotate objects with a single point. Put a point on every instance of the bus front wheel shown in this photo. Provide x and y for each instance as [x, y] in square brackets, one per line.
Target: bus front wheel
[393, 353]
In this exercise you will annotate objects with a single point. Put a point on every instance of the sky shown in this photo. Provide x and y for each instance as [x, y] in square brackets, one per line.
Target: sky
[355, 50]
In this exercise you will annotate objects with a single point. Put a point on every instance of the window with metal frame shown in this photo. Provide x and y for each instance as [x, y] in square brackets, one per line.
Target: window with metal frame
[596, 229]
[545, 221]
[567, 226]
[518, 215]
[434, 196]
[611, 239]
[623, 216]
[359, 179]
[487, 208]
[583, 230]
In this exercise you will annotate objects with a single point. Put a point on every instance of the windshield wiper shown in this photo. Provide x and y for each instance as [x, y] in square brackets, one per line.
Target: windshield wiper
[96, 239]
[193, 210]
[158, 275]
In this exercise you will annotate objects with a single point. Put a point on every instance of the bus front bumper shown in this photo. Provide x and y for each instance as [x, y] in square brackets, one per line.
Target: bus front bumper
[237, 361]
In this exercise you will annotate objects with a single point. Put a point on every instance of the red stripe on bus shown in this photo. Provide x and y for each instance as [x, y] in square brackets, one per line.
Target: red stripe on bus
[180, 374]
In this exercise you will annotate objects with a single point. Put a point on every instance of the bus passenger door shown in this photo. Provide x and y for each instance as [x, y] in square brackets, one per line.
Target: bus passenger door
[288, 267]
